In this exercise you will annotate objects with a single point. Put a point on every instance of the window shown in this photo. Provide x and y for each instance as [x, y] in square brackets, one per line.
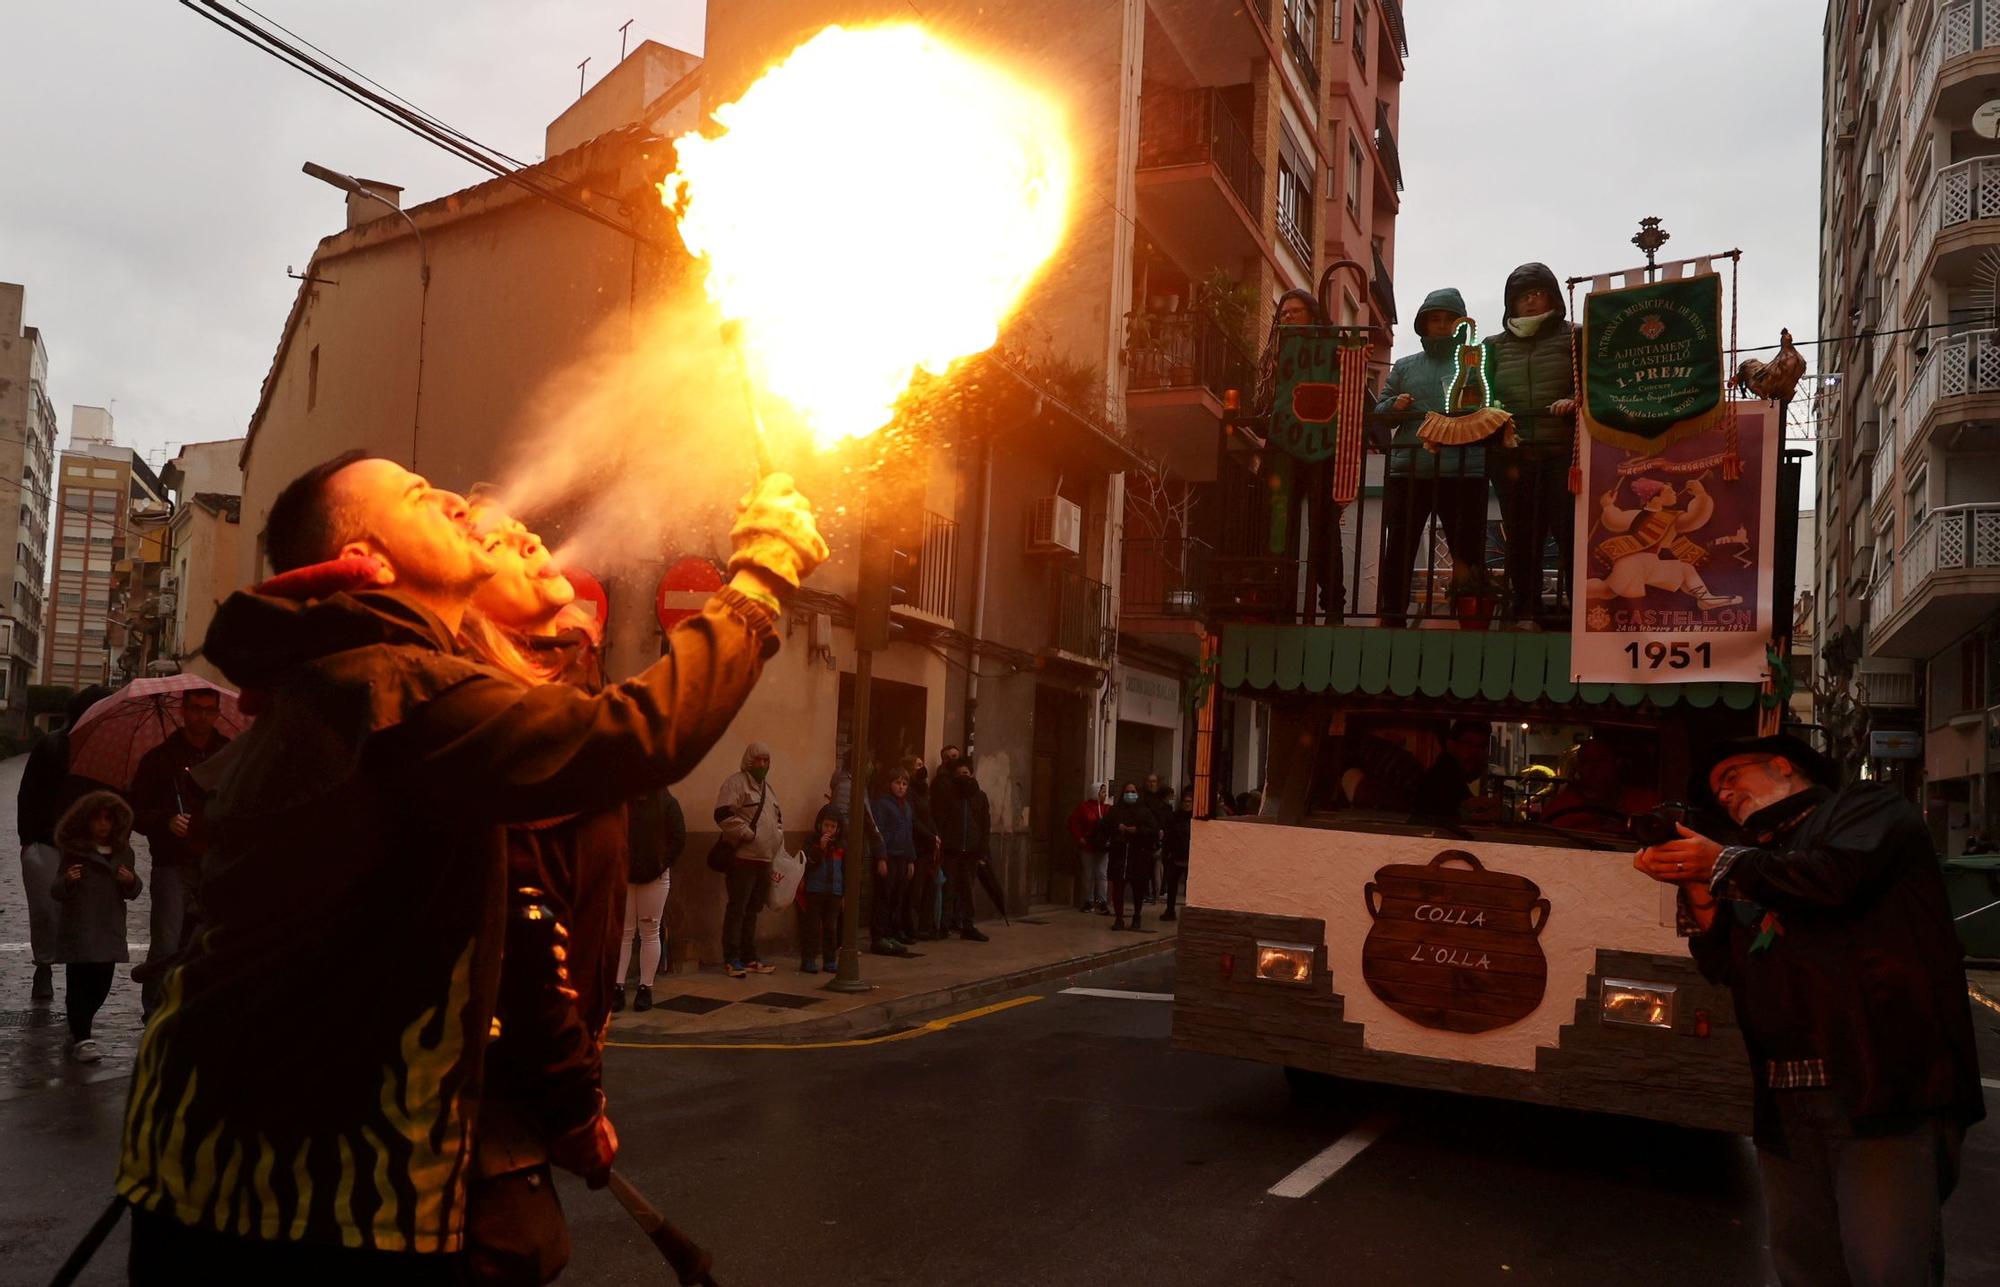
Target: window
[1295, 196]
[1333, 14]
[1355, 161]
[1361, 38]
[67, 597]
[1971, 673]
[1302, 36]
[312, 378]
[104, 502]
[104, 473]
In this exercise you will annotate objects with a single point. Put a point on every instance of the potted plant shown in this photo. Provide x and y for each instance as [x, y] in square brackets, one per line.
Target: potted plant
[1475, 593]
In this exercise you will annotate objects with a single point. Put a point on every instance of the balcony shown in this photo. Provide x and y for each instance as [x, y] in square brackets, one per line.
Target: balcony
[1080, 625]
[1945, 583]
[1958, 382]
[1299, 44]
[1399, 35]
[935, 594]
[1217, 41]
[1382, 289]
[1882, 475]
[1949, 232]
[1164, 586]
[1385, 147]
[1945, 81]
[1178, 366]
[1887, 682]
[1199, 179]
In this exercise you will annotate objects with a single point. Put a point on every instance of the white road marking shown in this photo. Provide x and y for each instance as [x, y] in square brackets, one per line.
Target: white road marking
[1325, 1164]
[25, 947]
[1117, 995]
[1991, 1083]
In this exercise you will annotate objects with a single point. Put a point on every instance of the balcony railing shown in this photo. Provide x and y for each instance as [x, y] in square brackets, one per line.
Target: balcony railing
[937, 568]
[1164, 577]
[1882, 599]
[1961, 364]
[1385, 145]
[1962, 27]
[1951, 538]
[1882, 473]
[1184, 351]
[1382, 287]
[1188, 127]
[1392, 19]
[1080, 615]
[1299, 43]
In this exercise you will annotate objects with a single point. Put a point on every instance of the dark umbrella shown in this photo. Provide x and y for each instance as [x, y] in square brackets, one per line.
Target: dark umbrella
[991, 884]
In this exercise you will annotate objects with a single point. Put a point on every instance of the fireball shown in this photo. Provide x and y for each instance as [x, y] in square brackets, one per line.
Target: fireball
[873, 207]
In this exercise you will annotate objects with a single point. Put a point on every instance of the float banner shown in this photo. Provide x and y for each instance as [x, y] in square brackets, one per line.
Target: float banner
[1317, 392]
[1673, 559]
[1652, 362]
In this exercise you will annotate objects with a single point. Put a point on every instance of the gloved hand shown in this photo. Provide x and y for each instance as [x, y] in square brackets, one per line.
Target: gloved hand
[775, 533]
[589, 1149]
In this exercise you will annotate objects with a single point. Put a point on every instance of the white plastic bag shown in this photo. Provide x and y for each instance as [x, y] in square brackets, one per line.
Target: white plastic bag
[787, 871]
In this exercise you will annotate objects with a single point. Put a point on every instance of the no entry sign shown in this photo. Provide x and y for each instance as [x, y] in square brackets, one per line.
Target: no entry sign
[685, 587]
[589, 590]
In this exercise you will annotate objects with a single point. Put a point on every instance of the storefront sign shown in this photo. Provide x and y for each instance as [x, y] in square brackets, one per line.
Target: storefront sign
[1148, 698]
[1895, 744]
[1674, 555]
[1652, 362]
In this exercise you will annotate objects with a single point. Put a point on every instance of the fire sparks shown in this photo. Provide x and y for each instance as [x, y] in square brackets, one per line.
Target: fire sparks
[875, 206]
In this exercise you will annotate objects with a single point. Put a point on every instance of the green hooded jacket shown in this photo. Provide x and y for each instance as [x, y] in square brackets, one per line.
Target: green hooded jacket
[1530, 373]
[1423, 375]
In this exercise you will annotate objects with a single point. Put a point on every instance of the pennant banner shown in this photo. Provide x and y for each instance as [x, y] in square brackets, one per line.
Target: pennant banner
[1652, 362]
[1673, 555]
[1317, 393]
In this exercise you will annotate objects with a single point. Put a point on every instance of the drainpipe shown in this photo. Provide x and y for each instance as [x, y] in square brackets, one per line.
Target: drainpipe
[978, 594]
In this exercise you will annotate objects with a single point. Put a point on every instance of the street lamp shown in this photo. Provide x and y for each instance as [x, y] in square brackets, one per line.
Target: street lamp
[354, 187]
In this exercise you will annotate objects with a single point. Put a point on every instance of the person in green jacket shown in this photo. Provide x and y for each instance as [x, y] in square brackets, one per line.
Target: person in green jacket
[1533, 374]
[1450, 483]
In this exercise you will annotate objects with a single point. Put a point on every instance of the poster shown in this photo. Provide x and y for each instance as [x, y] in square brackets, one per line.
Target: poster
[1319, 398]
[1652, 361]
[1674, 554]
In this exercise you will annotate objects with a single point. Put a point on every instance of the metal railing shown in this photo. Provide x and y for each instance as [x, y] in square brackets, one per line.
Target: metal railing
[1164, 577]
[1385, 145]
[1299, 42]
[1187, 127]
[1080, 615]
[937, 568]
[1961, 364]
[1399, 35]
[1383, 287]
[1184, 351]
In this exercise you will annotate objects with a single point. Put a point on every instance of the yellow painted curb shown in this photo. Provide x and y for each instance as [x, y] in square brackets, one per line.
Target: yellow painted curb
[925, 1029]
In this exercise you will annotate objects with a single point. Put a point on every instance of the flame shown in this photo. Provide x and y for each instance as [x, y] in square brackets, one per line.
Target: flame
[875, 206]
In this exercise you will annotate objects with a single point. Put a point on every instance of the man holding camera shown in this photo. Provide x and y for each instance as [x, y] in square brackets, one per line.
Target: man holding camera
[1829, 922]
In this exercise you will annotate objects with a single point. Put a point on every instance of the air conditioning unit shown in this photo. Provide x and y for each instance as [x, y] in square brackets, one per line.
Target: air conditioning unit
[1055, 526]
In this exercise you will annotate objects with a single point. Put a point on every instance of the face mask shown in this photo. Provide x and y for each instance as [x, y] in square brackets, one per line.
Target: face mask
[757, 774]
[1525, 327]
[1131, 797]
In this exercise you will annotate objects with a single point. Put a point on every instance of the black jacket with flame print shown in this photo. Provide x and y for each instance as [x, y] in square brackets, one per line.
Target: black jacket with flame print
[314, 1069]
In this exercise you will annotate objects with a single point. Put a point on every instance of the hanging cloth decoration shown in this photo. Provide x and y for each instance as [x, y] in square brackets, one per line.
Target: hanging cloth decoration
[1469, 395]
[1352, 431]
[1652, 362]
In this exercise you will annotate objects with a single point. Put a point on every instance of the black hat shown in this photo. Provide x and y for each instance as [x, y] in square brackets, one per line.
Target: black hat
[1813, 763]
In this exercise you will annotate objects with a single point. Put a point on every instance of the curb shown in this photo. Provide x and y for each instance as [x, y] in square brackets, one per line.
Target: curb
[868, 1019]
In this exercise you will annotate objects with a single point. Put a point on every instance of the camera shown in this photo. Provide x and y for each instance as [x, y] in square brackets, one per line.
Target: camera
[1656, 825]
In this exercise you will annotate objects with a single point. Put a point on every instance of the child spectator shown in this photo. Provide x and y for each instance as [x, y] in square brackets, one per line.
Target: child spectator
[825, 889]
[96, 876]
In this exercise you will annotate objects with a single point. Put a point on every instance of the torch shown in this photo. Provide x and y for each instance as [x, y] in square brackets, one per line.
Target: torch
[689, 1262]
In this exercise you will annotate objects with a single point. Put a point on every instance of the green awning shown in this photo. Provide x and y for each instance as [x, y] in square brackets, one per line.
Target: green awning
[1496, 665]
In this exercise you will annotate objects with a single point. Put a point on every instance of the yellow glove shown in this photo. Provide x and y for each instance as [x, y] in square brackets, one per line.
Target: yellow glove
[775, 533]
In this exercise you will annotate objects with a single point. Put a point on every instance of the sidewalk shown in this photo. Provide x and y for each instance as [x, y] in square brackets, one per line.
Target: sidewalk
[1051, 942]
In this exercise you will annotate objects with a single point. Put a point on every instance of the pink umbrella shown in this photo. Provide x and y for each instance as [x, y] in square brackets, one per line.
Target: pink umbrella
[107, 744]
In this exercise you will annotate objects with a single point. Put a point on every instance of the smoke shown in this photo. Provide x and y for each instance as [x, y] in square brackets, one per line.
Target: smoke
[644, 445]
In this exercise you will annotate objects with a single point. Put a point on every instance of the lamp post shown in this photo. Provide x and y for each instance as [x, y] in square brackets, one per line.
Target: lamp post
[354, 187]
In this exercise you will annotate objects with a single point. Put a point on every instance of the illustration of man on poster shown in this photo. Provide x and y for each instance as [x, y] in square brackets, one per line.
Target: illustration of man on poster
[1655, 551]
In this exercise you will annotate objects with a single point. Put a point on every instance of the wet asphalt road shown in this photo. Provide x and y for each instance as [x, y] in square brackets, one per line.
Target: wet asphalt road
[1062, 1142]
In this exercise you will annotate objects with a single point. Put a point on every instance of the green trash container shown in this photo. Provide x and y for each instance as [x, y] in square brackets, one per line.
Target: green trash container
[1973, 885]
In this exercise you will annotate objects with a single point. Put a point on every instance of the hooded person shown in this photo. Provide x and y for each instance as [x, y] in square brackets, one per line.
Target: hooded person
[1312, 484]
[48, 788]
[303, 1101]
[1531, 371]
[1825, 913]
[1450, 482]
[753, 828]
[96, 876]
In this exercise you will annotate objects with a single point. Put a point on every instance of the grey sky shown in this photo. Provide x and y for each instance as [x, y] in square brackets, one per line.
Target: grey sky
[150, 197]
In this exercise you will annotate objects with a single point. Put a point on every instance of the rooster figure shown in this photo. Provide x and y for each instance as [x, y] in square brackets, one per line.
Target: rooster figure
[1778, 378]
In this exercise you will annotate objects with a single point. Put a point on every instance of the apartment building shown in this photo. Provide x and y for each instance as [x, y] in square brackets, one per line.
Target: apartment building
[1909, 564]
[204, 548]
[27, 462]
[110, 543]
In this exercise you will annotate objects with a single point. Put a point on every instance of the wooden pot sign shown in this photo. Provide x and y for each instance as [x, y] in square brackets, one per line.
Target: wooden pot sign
[1455, 946]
